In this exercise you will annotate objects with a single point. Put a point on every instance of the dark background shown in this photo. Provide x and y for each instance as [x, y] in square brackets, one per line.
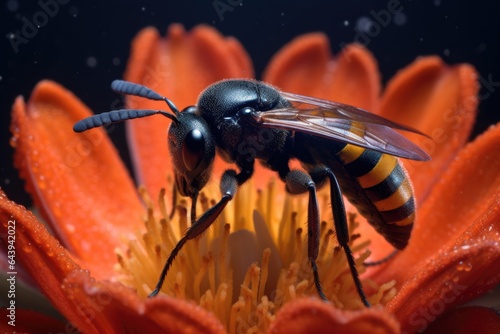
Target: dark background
[458, 31]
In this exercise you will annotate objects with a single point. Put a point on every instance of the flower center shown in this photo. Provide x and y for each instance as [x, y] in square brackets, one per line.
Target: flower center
[251, 261]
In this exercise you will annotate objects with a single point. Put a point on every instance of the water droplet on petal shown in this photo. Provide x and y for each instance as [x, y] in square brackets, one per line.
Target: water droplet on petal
[49, 252]
[464, 266]
[13, 142]
[28, 249]
[41, 182]
[71, 228]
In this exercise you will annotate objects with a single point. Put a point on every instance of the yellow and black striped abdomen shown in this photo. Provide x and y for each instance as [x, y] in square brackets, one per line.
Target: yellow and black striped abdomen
[381, 191]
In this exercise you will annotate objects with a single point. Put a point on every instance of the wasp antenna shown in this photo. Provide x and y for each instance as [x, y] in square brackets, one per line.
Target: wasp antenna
[130, 88]
[116, 116]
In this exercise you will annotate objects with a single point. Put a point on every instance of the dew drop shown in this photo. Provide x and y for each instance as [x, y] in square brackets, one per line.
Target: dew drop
[37, 238]
[49, 252]
[41, 182]
[346, 23]
[28, 249]
[13, 142]
[464, 266]
[71, 228]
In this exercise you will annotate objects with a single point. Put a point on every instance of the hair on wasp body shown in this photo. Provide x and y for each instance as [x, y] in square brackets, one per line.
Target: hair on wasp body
[248, 120]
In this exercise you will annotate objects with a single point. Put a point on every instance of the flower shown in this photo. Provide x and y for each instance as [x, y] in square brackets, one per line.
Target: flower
[85, 194]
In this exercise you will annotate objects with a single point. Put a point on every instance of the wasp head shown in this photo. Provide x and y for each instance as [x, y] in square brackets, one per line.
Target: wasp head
[193, 150]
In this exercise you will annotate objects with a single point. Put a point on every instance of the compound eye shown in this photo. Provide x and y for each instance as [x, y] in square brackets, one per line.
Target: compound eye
[193, 149]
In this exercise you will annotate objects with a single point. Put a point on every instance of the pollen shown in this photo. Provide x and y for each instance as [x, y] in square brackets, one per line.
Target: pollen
[251, 261]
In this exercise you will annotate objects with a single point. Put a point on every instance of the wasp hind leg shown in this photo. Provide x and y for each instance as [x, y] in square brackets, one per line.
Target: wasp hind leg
[298, 182]
[319, 175]
[382, 260]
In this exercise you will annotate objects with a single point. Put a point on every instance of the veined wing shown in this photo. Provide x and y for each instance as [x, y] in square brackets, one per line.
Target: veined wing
[343, 123]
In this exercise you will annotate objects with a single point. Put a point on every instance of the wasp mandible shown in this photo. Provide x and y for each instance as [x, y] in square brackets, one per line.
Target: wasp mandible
[248, 120]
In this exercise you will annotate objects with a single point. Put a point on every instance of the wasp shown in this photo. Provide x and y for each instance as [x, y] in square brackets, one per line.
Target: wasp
[248, 120]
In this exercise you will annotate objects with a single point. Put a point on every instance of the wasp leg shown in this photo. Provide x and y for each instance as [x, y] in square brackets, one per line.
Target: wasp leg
[298, 182]
[229, 185]
[174, 202]
[194, 200]
[340, 220]
[382, 260]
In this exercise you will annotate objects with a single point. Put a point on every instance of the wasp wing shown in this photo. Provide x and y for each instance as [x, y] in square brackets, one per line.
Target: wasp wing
[347, 111]
[341, 122]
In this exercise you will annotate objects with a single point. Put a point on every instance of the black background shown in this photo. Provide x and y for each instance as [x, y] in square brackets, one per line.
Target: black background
[458, 31]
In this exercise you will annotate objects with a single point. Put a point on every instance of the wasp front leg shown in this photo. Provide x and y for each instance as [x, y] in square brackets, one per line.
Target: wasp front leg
[229, 185]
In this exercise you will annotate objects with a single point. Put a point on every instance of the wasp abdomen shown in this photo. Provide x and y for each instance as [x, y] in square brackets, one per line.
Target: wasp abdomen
[385, 196]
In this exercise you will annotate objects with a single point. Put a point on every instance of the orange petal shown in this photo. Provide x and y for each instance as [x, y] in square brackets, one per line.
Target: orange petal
[453, 254]
[450, 278]
[465, 320]
[179, 66]
[112, 307]
[461, 203]
[315, 316]
[439, 100]
[47, 262]
[306, 66]
[77, 180]
[28, 321]
[92, 306]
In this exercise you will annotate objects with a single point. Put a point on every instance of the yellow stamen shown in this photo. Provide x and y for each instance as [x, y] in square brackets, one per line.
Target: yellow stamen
[279, 272]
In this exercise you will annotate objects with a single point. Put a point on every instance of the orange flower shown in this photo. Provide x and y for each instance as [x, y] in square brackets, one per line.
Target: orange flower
[87, 197]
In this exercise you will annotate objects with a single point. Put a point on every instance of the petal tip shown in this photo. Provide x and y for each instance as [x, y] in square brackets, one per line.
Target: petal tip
[312, 315]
